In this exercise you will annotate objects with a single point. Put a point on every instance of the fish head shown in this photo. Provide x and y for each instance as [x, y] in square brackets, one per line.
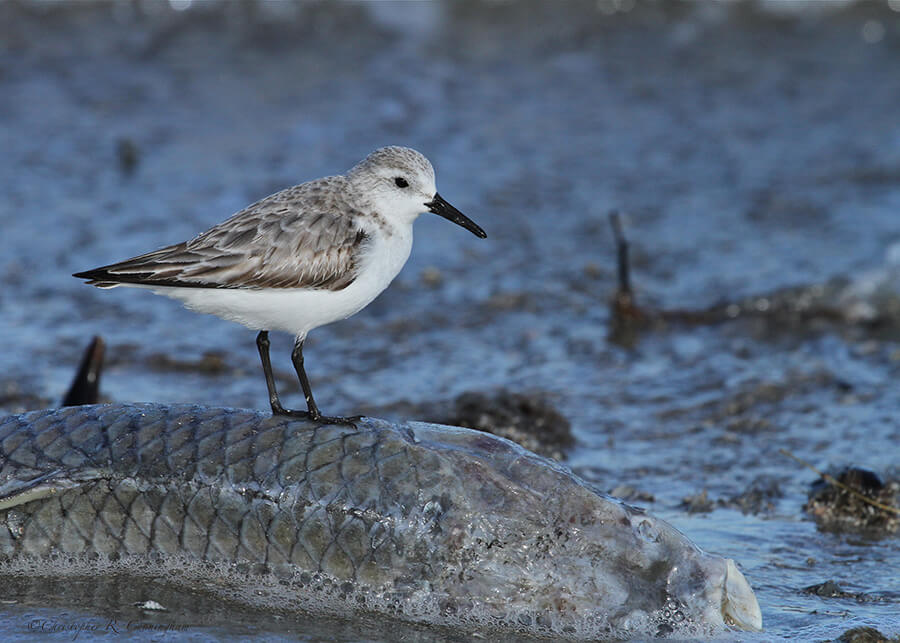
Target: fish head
[701, 593]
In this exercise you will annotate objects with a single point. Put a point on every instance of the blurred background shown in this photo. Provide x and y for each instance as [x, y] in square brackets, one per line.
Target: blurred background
[753, 149]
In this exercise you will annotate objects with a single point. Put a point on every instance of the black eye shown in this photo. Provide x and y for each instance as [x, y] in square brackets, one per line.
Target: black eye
[400, 182]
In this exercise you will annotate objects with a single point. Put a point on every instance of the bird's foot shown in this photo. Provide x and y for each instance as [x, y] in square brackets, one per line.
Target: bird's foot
[281, 411]
[316, 417]
[350, 420]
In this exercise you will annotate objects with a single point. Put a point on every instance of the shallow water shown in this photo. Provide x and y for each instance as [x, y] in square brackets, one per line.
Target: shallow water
[751, 150]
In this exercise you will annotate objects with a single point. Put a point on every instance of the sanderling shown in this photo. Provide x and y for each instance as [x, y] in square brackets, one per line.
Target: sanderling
[300, 258]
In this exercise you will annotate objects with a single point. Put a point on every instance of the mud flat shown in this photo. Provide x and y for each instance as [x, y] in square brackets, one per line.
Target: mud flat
[752, 149]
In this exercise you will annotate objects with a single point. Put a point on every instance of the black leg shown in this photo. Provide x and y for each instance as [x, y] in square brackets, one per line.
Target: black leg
[297, 358]
[314, 414]
[262, 343]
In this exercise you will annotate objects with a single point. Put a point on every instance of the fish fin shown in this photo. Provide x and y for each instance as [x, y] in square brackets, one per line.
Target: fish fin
[18, 492]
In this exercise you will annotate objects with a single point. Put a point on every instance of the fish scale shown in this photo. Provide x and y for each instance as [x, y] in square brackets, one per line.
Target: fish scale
[423, 522]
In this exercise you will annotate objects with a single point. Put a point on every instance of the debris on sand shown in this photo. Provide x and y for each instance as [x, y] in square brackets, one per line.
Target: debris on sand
[859, 502]
[627, 320]
[758, 497]
[864, 635]
[85, 387]
[528, 420]
[211, 363]
[698, 503]
[828, 589]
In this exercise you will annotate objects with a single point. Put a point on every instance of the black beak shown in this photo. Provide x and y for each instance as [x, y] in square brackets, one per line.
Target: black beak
[443, 209]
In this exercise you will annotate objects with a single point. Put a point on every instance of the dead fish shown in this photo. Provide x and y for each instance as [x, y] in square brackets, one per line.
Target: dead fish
[417, 521]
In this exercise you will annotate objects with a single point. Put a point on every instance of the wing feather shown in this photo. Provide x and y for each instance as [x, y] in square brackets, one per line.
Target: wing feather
[302, 237]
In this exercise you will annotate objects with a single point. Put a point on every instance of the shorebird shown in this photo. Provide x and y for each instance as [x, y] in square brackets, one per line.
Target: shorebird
[301, 258]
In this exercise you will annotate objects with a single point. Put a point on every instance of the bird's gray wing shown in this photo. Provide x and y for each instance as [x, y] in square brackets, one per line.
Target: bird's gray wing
[302, 237]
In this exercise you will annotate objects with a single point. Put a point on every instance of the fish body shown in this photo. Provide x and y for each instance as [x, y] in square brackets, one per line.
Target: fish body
[423, 522]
